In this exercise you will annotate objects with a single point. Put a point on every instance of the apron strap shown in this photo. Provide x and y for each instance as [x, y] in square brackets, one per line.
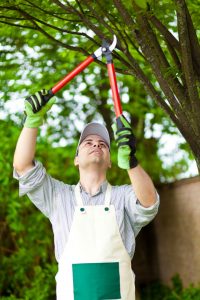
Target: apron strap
[108, 195]
[79, 199]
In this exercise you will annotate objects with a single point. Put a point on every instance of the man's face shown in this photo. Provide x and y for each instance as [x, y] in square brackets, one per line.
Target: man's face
[93, 151]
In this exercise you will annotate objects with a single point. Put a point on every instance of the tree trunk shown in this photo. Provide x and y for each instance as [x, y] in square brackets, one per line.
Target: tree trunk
[195, 147]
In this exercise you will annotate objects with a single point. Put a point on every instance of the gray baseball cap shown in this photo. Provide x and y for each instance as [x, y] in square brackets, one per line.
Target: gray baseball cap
[96, 129]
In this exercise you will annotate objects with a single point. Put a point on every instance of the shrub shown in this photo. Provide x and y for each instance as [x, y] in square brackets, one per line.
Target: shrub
[159, 291]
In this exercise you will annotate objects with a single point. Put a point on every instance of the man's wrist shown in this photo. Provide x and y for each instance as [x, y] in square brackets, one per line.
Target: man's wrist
[33, 122]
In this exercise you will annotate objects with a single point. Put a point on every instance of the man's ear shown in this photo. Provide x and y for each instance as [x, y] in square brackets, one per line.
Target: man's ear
[76, 161]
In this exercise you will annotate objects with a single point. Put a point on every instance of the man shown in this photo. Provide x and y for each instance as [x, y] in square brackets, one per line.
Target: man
[94, 224]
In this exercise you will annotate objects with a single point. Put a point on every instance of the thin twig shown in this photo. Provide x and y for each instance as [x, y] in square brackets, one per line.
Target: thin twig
[18, 25]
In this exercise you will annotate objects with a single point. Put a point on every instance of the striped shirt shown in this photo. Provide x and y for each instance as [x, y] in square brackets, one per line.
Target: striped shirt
[56, 200]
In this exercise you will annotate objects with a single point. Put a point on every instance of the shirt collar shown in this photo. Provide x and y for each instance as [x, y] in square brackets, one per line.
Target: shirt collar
[102, 188]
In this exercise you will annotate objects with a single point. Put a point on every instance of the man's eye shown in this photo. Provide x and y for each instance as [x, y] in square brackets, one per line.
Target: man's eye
[103, 145]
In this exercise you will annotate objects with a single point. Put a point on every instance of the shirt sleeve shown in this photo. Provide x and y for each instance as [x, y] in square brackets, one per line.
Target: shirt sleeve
[138, 215]
[39, 186]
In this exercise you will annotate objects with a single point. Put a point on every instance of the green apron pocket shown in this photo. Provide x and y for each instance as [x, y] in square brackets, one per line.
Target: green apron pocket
[96, 281]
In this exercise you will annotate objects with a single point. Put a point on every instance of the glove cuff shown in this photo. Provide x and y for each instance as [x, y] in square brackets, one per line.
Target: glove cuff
[133, 161]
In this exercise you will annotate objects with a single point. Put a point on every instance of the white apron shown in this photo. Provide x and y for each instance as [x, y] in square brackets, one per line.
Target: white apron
[95, 264]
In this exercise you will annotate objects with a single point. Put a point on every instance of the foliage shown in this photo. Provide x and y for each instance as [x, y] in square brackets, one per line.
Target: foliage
[41, 41]
[159, 291]
[26, 239]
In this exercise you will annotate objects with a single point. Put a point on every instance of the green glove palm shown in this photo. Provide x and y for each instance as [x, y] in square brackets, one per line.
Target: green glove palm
[126, 143]
[36, 106]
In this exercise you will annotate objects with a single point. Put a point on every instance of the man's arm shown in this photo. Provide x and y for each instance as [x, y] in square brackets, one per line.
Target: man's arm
[143, 186]
[36, 106]
[32, 176]
[141, 182]
[25, 150]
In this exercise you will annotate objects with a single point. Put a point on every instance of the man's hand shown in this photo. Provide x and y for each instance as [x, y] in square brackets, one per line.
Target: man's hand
[126, 143]
[36, 106]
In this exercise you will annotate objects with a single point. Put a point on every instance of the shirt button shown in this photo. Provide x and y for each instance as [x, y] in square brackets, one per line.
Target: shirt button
[106, 208]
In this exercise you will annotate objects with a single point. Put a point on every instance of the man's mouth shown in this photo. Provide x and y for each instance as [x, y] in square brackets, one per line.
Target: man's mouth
[95, 151]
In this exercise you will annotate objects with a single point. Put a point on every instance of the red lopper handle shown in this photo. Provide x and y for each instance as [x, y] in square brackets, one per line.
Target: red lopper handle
[114, 88]
[72, 74]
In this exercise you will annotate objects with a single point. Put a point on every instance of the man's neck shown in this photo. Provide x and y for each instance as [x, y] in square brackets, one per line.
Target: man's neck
[91, 181]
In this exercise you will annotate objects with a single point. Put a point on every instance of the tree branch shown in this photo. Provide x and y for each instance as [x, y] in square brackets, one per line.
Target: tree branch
[99, 17]
[121, 37]
[134, 46]
[138, 71]
[54, 14]
[46, 24]
[38, 28]
[171, 42]
[187, 63]
[63, 6]
[195, 47]
[17, 25]
[121, 34]
[141, 76]
[98, 33]
[12, 18]
[169, 38]
[126, 17]
[150, 88]
[63, 30]
[157, 55]
[82, 17]
[177, 63]
[148, 51]
[155, 64]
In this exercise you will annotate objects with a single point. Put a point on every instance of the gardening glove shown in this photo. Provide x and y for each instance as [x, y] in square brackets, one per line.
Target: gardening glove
[126, 143]
[36, 106]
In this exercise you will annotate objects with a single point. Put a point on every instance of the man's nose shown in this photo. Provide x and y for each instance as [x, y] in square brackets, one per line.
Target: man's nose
[96, 144]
